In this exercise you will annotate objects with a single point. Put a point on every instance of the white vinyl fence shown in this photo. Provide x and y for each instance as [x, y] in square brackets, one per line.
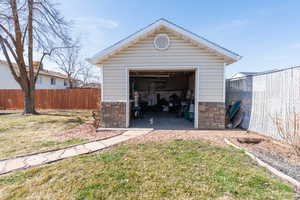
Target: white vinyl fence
[272, 97]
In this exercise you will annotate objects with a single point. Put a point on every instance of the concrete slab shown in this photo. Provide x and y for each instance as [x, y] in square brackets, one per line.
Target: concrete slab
[42, 158]
[69, 152]
[14, 164]
[95, 146]
[81, 149]
[2, 165]
[35, 160]
[124, 129]
[54, 155]
[135, 133]
[115, 140]
[162, 121]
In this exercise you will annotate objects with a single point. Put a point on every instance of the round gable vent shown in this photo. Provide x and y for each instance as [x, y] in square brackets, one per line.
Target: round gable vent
[161, 41]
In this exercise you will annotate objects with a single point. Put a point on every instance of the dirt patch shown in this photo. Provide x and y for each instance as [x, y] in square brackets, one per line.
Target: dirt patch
[85, 131]
[214, 136]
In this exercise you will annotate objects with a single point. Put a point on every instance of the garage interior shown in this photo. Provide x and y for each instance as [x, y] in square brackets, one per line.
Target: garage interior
[162, 99]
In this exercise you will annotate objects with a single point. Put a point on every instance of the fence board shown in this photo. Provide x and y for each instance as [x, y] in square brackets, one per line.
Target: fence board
[79, 98]
[266, 98]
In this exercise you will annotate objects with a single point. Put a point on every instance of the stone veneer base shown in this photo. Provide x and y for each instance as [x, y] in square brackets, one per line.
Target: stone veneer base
[211, 115]
[113, 114]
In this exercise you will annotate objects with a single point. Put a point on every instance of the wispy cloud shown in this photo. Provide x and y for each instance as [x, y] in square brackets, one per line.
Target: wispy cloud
[276, 58]
[295, 46]
[96, 22]
[231, 25]
[93, 32]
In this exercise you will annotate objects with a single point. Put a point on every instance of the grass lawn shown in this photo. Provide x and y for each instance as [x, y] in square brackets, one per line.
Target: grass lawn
[21, 134]
[176, 169]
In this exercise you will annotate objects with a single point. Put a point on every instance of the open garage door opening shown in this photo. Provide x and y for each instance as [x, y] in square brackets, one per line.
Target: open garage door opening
[162, 99]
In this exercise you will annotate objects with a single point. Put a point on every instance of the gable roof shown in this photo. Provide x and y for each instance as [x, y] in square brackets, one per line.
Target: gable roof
[228, 55]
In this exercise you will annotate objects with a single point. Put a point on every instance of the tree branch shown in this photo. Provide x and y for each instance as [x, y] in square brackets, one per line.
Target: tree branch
[8, 34]
[11, 67]
[9, 47]
[42, 58]
[24, 35]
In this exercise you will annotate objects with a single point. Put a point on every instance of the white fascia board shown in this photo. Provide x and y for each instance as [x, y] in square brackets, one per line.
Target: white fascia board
[203, 41]
[162, 22]
[121, 43]
[161, 68]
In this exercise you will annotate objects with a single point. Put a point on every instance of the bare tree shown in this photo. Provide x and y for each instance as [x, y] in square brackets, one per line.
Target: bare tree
[85, 74]
[70, 62]
[88, 74]
[30, 29]
[289, 129]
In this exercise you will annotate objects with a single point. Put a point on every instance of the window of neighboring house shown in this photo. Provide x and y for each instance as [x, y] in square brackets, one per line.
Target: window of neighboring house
[39, 80]
[65, 82]
[53, 81]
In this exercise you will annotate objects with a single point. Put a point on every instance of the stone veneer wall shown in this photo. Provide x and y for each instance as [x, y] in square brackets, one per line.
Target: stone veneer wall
[113, 114]
[211, 115]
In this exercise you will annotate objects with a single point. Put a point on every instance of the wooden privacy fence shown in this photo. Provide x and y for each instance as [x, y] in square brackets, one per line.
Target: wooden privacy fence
[66, 99]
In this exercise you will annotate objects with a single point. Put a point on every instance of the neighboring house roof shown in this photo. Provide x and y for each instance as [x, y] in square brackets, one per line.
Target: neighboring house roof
[92, 85]
[53, 74]
[42, 72]
[248, 73]
[228, 55]
[243, 74]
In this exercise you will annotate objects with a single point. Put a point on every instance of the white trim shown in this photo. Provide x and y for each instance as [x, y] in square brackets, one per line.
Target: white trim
[203, 41]
[162, 67]
[102, 76]
[166, 68]
[102, 55]
[224, 83]
[128, 99]
[196, 112]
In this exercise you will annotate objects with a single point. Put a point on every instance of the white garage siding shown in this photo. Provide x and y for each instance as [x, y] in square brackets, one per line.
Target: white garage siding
[180, 53]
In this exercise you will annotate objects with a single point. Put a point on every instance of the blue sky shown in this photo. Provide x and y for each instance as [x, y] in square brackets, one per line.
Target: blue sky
[265, 32]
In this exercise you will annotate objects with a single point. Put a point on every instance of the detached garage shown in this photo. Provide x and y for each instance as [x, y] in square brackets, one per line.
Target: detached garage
[163, 77]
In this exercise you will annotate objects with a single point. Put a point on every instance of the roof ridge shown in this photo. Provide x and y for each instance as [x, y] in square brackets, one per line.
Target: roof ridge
[44, 72]
[202, 37]
[164, 22]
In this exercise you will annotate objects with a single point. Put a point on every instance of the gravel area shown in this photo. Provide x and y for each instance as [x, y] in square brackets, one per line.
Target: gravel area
[277, 161]
[276, 153]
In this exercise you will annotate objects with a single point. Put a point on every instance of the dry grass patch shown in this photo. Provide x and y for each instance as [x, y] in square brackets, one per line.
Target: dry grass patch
[177, 169]
[21, 134]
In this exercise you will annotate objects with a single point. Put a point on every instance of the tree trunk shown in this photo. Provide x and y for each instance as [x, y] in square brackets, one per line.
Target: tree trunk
[29, 93]
[70, 82]
[29, 102]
